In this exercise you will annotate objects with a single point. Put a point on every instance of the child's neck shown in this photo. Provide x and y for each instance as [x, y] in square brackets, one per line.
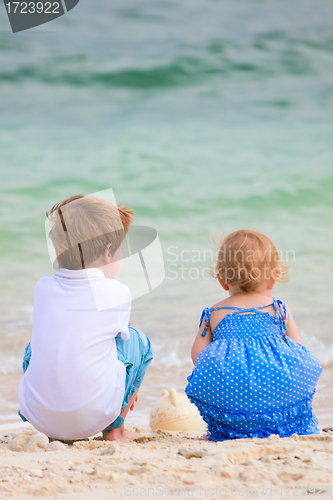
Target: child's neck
[263, 290]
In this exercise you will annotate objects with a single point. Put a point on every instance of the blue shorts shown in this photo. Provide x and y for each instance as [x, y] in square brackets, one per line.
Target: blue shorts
[135, 353]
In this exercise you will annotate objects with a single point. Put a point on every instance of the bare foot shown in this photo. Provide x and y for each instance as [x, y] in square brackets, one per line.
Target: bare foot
[120, 434]
[205, 437]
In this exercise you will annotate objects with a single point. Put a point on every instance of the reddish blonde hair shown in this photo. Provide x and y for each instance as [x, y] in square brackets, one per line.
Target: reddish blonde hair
[247, 258]
[83, 226]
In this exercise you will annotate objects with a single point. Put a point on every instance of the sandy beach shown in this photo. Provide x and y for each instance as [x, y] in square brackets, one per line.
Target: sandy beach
[204, 117]
[165, 464]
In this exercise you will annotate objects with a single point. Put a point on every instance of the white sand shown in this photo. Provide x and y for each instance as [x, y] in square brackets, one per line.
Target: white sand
[152, 467]
[156, 464]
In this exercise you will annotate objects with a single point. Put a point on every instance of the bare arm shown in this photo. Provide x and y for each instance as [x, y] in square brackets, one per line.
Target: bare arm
[292, 331]
[200, 343]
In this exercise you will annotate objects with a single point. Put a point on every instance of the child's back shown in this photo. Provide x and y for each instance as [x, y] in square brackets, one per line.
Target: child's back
[74, 374]
[250, 379]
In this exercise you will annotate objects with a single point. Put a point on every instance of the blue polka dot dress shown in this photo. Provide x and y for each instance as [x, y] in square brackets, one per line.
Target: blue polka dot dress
[252, 380]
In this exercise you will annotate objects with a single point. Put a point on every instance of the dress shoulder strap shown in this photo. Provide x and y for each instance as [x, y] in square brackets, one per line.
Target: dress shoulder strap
[281, 312]
[281, 309]
[282, 316]
[206, 312]
[237, 310]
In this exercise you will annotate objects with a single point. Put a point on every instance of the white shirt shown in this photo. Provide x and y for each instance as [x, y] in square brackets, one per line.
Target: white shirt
[74, 385]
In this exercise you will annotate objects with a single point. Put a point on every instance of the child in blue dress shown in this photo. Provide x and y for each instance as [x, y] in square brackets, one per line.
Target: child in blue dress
[252, 377]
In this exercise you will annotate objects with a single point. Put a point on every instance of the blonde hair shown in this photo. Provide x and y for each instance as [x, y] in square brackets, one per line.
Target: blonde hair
[247, 258]
[82, 228]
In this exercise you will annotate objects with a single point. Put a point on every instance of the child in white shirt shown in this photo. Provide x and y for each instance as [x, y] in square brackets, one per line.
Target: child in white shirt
[84, 365]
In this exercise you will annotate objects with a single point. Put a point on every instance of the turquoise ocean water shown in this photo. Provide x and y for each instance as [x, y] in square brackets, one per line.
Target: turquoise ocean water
[205, 116]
